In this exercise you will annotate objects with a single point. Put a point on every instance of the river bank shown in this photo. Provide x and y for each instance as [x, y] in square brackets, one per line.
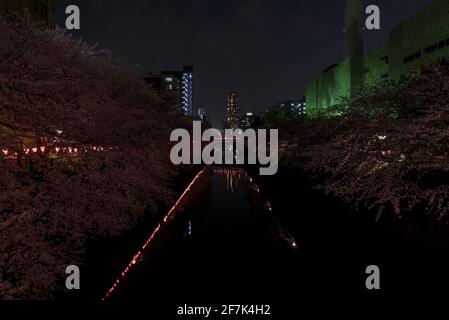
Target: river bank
[106, 257]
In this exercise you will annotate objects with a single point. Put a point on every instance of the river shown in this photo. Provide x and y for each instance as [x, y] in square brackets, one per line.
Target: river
[224, 243]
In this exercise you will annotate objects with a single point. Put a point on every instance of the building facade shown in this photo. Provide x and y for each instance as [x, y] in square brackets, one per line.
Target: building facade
[175, 87]
[187, 91]
[421, 37]
[39, 10]
[166, 87]
[232, 118]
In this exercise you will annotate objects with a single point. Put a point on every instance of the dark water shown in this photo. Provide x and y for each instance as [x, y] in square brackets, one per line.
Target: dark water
[224, 244]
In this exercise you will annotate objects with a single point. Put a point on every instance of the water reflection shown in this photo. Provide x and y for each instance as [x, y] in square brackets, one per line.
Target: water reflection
[238, 177]
[188, 232]
[222, 220]
[233, 177]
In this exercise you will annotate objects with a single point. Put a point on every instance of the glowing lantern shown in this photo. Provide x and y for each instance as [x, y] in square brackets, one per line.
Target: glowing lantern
[34, 150]
[5, 152]
[57, 149]
[42, 149]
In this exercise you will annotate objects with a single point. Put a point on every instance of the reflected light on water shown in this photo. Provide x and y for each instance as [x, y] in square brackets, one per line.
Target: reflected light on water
[233, 177]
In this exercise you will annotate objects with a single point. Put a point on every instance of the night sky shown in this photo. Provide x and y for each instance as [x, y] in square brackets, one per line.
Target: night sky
[265, 50]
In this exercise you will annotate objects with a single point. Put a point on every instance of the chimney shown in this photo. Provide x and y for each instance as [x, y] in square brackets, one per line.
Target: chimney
[353, 29]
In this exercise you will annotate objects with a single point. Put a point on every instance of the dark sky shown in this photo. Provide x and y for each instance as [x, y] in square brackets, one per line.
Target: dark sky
[265, 50]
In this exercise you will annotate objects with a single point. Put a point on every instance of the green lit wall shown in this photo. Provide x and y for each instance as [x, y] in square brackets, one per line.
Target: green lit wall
[427, 28]
[333, 83]
[376, 65]
[425, 36]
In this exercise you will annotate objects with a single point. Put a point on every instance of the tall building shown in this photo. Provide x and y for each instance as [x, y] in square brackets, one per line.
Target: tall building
[187, 90]
[175, 87]
[424, 35]
[232, 118]
[39, 10]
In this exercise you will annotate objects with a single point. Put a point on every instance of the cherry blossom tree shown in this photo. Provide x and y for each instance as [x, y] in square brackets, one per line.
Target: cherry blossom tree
[384, 149]
[104, 161]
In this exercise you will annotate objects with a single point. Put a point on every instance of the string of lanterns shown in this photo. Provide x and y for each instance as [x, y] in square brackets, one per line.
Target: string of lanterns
[14, 155]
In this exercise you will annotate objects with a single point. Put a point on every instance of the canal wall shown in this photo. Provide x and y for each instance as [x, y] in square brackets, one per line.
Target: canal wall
[106, 257]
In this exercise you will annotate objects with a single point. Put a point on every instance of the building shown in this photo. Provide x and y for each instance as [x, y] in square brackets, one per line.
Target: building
[424, 35]
[232, 119]
[201, 113]
[166, 87]
[39, 10]
[187, 91]
[175, 87]
[296, 107]
[247, 120]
